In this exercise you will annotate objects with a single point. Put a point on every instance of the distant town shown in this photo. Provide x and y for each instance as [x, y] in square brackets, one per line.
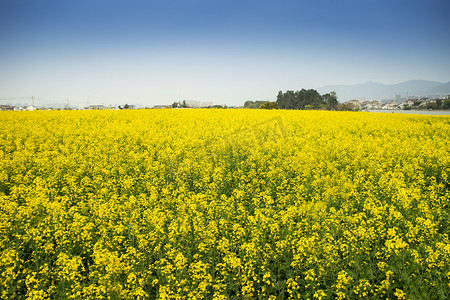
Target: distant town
[409, 103]
[67, 106]
[399, 103]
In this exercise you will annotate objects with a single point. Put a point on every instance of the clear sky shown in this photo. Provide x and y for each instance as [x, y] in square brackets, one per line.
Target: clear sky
[158, 52]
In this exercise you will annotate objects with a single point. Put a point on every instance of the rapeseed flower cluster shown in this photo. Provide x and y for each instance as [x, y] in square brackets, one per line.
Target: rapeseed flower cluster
[224, 204]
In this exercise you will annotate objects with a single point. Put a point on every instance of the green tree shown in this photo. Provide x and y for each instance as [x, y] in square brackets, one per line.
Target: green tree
[300, 99]
[254, 104]
[310, 97]
[446, 104]
[248, 103]
[269, 105]
[331, 100]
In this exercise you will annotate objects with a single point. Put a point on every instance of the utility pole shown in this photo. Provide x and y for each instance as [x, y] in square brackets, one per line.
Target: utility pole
[32, 101]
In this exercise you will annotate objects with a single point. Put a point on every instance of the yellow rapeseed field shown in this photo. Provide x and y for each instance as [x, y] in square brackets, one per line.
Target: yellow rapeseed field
[224, 204]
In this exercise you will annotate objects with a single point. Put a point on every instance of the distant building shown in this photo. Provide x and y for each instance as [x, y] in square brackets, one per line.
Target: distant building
[198, 104]
[7, 107]
[354, 103]
[372, 104]
[25, 107]
[391, 105]
[192, 103]
[95, 107]
[411, 102]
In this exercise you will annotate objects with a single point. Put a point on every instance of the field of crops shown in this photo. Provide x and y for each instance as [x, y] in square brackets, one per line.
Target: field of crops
[224, 204]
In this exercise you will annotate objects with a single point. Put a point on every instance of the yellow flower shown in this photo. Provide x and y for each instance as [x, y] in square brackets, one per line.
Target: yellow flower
[399, 293]
[199, 204]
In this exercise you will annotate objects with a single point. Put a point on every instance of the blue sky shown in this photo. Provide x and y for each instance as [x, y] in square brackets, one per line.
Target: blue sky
[158, 52]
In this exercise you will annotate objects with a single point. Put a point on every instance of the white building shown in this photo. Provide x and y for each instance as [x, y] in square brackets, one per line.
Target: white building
[198, 104]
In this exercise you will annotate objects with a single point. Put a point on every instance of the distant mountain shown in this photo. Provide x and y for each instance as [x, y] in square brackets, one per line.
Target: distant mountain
[378, 91]
[440, 89]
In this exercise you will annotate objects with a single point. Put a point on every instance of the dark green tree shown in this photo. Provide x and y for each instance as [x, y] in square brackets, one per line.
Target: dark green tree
[300, 100]
[254, 104]
[446, 104]
[269, 105]
[287, 100]
[331, 100]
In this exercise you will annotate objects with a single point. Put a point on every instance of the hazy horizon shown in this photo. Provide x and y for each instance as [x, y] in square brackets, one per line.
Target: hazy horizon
[227, 52]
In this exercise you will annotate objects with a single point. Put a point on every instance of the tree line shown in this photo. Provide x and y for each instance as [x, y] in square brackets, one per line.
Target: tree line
[303, 99]
[307, 99]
